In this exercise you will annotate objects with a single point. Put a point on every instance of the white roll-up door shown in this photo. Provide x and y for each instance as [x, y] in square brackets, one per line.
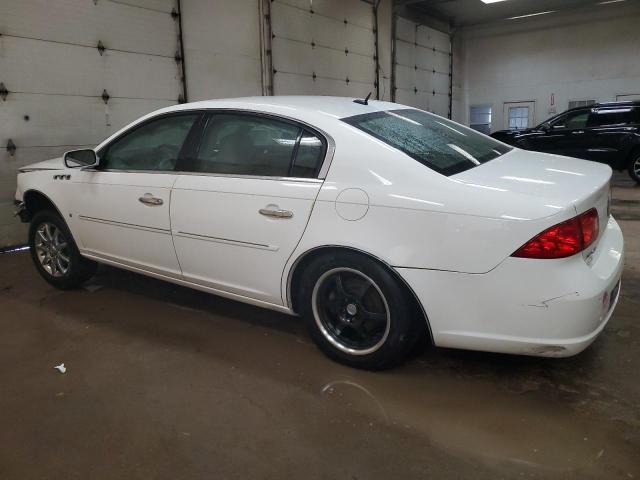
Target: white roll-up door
[323, 47]
[422, 67]
[54, 76]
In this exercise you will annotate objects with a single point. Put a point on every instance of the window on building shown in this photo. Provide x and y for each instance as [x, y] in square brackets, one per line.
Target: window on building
[581, 103]
[480, 118]
[518, 118]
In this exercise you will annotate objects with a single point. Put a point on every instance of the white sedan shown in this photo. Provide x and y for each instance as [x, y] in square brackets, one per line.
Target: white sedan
[375, 222]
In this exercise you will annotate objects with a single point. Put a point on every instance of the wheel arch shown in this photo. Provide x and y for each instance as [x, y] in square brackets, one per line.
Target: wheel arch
[36, 201]
[298, 267]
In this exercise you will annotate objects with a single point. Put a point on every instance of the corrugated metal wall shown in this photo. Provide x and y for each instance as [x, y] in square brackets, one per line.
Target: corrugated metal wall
[422, 67]
[323, 47]
[55, 76]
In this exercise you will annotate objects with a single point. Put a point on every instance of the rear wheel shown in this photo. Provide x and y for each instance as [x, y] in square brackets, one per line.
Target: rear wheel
[55, 254]
[634, 167]
[358, 313]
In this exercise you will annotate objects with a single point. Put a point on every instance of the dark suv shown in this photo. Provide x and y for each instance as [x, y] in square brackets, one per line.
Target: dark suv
[606, 132]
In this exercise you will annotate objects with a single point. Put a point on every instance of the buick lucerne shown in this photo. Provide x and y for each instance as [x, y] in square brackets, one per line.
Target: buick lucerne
[377, 223]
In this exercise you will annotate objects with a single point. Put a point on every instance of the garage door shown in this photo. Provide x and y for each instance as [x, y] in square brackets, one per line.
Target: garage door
[422, 67]
[324, 47]
[74, 72]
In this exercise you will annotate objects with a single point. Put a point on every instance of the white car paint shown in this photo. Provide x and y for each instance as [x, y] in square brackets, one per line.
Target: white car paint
[449, 238]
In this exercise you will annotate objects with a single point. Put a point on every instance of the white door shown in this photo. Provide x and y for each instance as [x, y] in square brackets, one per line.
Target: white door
[422, 67]
[519, 115]
[239, 215]
[123, 207]
[628, 97]
[55, 77]
[323, 47]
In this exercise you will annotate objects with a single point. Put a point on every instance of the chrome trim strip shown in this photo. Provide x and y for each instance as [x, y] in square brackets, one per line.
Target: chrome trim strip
[125, 225]
[240, 243]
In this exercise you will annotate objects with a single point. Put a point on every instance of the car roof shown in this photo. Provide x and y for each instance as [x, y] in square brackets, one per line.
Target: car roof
[292, 105]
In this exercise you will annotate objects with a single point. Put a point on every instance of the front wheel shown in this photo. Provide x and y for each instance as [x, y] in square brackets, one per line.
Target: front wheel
[358, 312]
[55, 254]
[634, 167]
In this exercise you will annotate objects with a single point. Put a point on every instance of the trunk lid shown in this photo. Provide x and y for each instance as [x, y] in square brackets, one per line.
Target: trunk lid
[550, 180]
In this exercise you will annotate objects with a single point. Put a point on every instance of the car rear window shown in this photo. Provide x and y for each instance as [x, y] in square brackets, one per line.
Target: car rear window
[440, 144]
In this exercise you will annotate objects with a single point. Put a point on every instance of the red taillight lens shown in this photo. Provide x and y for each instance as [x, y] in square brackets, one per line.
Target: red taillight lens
[564, 239]
[590, 227]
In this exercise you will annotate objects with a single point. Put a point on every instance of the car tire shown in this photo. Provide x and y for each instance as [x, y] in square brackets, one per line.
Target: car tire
[634, 167]
[357, 311]
[55, 254]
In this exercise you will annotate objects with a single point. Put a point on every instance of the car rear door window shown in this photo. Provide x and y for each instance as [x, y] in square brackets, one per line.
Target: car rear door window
[245, 144]
[155, 145]
[438, 143]
[606, 117]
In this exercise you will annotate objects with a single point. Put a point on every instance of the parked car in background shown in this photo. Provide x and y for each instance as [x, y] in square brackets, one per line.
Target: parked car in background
[375, 222]
[607, 133]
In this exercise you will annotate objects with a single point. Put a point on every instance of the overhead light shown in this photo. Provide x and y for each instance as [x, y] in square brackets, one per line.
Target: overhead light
[608, 2]
[492, 1]
[531, 15]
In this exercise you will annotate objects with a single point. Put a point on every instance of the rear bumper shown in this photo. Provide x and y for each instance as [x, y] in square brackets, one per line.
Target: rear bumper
[553, 308]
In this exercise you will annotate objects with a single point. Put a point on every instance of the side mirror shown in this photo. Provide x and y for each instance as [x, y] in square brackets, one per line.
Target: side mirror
[80, 158]
[545, 127]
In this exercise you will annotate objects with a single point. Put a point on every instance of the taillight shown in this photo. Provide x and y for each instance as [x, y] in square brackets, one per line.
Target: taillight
[564, 239]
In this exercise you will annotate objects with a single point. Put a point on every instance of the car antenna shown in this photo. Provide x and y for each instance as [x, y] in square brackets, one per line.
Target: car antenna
[363, 102]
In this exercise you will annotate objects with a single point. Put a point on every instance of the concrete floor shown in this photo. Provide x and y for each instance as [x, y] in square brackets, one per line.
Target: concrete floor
[165, 382]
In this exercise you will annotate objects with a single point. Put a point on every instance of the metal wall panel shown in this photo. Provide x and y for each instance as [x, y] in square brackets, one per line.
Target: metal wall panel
[55, 75]
[422, 67]
[323, 47]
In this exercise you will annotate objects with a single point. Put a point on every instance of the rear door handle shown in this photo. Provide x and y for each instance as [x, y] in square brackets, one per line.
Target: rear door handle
[150, 200]
[275, 211]
[577, 132]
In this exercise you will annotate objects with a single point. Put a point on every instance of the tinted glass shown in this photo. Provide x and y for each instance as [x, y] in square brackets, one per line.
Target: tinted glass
[246, 145]
[154, 146]
[572, 120]
[612, 116]
[309, 157]
[440, 144]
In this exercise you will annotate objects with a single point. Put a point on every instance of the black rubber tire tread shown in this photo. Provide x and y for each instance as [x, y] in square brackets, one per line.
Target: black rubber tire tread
[405, 324]
[82, 269]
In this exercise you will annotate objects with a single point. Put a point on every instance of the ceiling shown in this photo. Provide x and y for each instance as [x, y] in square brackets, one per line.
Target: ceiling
[472, 12]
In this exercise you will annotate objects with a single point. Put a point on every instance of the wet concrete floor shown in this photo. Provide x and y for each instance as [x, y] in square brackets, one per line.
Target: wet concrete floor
[165, 382]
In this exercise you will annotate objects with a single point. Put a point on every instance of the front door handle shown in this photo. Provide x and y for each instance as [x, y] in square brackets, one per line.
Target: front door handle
[275, 211]
[150, 200]
[578, 132]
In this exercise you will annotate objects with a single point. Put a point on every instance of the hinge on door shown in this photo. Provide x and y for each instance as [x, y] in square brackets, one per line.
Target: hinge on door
[174, 13]
[181, 98]
[177, 58]
[105, 96]
[101, 48]
[11, 147]
[3, 92]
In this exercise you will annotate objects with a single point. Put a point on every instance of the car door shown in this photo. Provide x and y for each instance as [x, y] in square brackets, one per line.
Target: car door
[123, 205]
[243, 202]
[566, 135]
[612, 129]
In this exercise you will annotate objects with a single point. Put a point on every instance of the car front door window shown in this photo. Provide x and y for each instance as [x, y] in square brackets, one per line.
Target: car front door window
[153, 146]
[571, 121]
